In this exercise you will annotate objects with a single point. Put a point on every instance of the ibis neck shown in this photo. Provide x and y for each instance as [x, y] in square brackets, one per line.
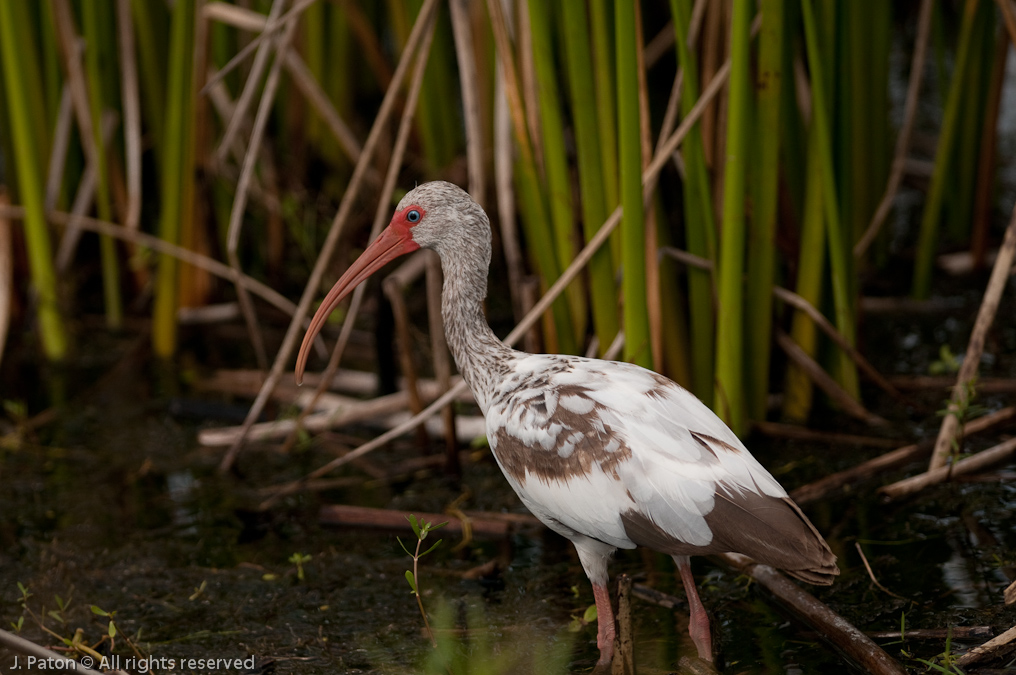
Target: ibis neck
[480, 355]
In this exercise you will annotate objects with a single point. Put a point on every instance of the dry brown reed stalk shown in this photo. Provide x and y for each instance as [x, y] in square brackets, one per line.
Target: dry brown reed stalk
[441, 356]
[380, 215]
[58, 152]
[468, 78]
[247, 170]
[251, 85]
[903, 140]
[131, 112]
[504, 188]
[825, 382]
[249, 20]
[338, 225]
[966, 379]
[82, 203]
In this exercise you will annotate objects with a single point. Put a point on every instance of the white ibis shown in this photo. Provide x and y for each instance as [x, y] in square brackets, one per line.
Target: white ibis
[607, 454]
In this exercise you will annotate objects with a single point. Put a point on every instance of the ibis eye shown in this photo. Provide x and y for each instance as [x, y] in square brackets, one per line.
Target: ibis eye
[413, 216]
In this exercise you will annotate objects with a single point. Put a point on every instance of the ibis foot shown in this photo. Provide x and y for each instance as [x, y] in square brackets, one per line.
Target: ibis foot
[698, 624]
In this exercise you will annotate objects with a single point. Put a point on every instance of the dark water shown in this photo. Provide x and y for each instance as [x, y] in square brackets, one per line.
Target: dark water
[114, 504]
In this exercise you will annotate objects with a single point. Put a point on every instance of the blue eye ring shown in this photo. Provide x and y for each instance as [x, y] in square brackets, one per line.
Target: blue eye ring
[413, 216]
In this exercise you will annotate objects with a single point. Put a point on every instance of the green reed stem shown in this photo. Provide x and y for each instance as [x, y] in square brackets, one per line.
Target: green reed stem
[699, 218]
[761, 248]
[728, 400]
[585, 117]
[174, 174]
[839, 253]
[24, 103]
[633, 237]
[99, 66]
[557, 186]
[931, 216]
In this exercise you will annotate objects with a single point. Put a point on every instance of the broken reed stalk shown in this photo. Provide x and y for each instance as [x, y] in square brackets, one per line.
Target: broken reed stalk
[991, 648]
[966, 379]
[972, 464]
[661, 158]
[338, 225]
[822, 488]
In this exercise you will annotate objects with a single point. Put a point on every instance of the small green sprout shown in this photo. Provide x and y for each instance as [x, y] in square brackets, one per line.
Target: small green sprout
[421, 529]
[299, 559]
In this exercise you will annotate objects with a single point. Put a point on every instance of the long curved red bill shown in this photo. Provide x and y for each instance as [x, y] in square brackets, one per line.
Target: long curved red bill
[394, 241]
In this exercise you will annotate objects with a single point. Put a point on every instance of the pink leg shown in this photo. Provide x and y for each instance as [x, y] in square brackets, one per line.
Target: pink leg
[698, 625]
[604, 624]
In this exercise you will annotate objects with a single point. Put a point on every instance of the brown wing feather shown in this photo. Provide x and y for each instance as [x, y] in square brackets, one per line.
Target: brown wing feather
[768, 529]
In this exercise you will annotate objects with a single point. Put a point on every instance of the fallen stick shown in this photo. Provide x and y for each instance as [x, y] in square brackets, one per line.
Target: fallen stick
[825, 486]
[831, 626]
[988, 649]
[481, 523]
[981, 460]
[967, 376]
